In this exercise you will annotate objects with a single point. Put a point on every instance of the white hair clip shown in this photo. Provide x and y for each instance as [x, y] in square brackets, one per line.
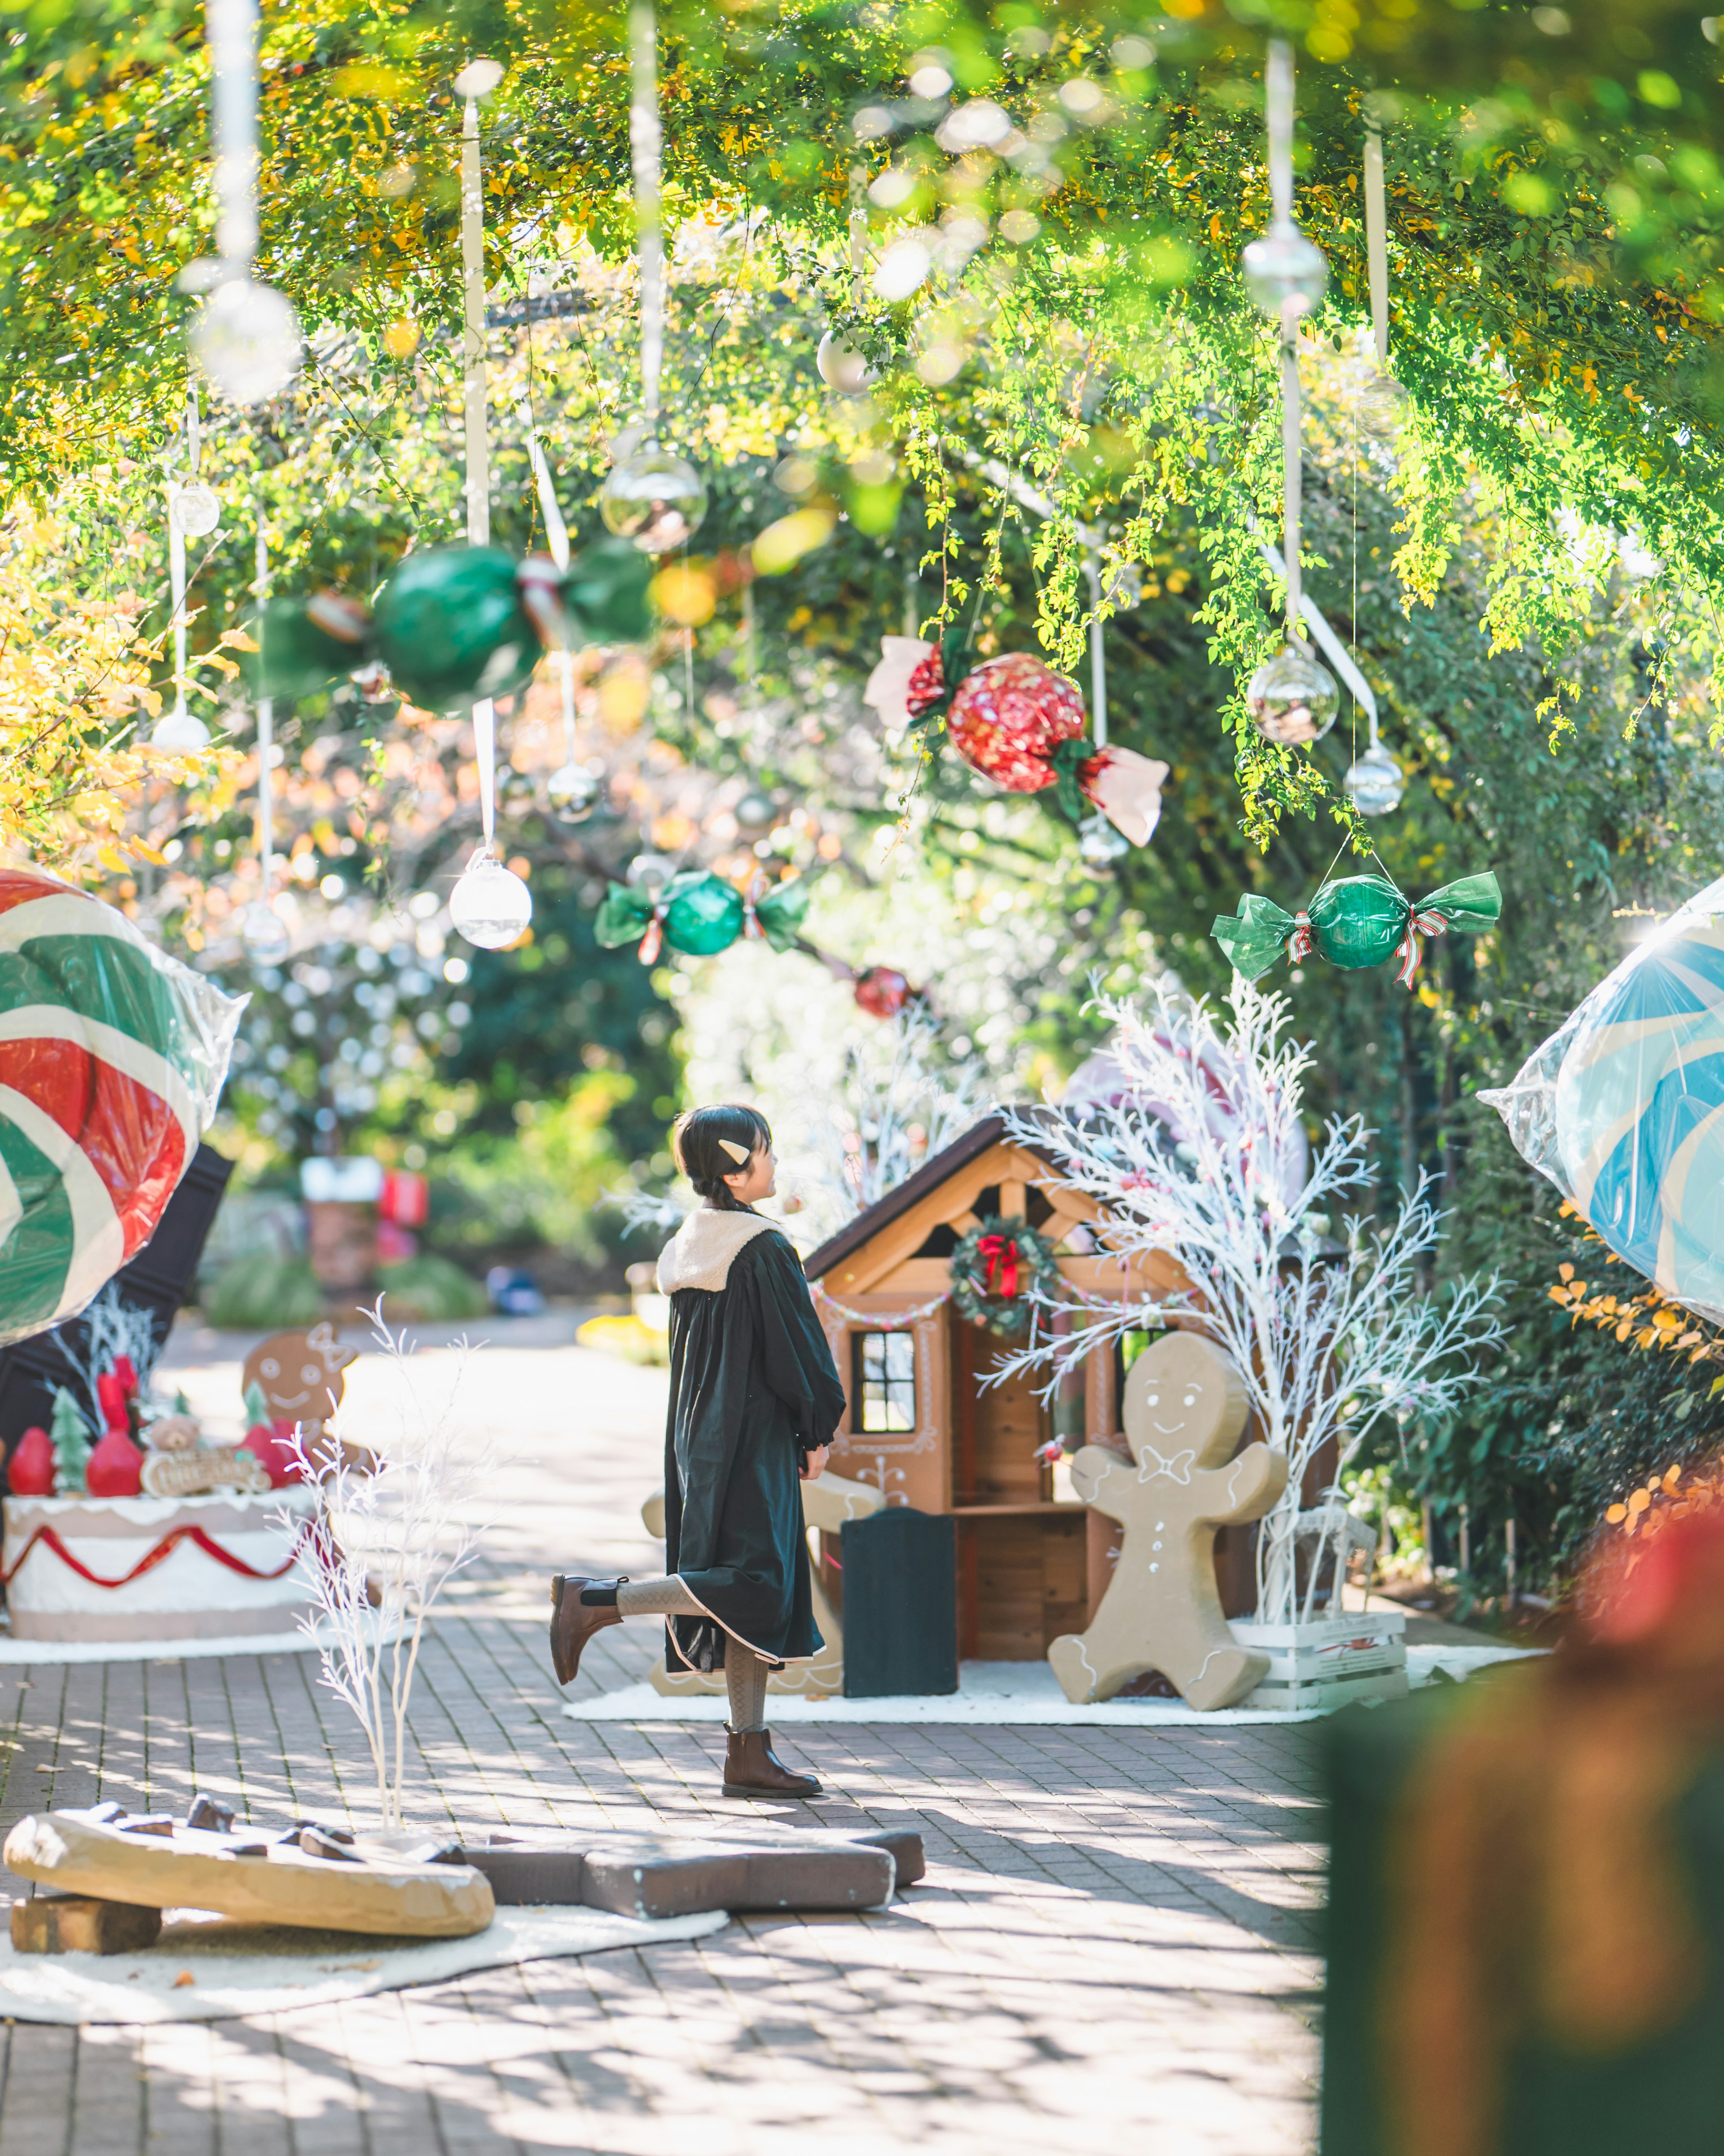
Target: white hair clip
[740, 1154]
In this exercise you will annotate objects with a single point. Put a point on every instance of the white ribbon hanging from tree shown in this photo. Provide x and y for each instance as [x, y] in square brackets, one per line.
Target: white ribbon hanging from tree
[1377, 235]
[646, 151]
[476, 80]
[1278, 86]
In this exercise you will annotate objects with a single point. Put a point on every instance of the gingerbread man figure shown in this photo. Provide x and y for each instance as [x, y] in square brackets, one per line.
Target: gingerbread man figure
[1184, 1411]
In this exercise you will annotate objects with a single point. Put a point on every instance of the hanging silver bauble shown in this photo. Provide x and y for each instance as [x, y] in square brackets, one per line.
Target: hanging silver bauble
[1101, 847]
[574, 791]
[655, 498]
[193, 509]
[180, 734]
[1284, 265]
[247, 340]
[1376, 782]
[647, 871]
[842, 367]
[490, 906]
[756, 811]
[264, 934]
[1291, 699]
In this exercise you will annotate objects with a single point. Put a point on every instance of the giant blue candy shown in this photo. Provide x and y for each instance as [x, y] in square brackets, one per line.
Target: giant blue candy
[1623, 1107]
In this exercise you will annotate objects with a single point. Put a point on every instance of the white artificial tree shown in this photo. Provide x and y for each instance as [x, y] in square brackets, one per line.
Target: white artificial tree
[1202, 1156]
[394, 1529]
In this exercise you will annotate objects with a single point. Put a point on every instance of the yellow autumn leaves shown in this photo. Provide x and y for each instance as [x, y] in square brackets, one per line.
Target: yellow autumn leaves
[1666, 1498]
[1650, 1320]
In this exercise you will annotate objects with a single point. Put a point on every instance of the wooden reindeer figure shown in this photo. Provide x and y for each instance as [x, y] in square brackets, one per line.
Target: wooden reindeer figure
[1184, 1411]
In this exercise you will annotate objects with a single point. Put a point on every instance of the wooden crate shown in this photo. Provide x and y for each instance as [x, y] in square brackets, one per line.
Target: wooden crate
[1328, 1663]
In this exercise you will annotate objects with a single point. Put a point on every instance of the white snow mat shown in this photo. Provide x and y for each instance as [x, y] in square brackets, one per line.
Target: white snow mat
[255, 1969]
[1001, 1694]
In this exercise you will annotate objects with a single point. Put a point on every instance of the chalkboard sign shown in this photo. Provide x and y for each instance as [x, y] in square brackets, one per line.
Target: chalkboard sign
[899, 1605]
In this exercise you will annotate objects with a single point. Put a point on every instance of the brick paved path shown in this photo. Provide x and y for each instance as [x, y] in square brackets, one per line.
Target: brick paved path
[1113, 1949]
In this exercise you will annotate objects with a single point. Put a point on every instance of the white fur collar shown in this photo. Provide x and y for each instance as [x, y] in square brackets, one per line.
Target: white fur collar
[704, 1249]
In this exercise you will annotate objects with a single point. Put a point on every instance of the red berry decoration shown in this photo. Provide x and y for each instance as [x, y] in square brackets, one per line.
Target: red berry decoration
[882, 991]
[29, 1472]
[115, 1466]
[1007, 716]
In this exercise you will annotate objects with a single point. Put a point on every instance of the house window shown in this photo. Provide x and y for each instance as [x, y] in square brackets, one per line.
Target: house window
[883, 1383]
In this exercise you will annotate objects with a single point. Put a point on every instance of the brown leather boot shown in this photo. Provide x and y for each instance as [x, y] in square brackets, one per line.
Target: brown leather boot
[573, 1622]
[753, 1769]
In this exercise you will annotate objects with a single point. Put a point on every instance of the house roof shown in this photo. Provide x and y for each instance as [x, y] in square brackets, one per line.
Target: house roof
[989, 1131]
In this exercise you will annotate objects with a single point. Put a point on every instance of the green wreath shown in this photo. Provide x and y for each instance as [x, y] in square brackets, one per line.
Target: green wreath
[995, 1268]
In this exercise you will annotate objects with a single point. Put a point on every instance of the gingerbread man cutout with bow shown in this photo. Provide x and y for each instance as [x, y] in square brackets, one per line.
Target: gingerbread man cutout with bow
[1184, 1411]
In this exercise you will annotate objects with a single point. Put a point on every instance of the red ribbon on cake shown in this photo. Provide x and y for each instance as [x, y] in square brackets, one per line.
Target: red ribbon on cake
[165, 1548]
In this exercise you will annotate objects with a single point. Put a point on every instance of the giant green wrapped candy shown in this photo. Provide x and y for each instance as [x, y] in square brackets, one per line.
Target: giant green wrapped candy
[455, 625]
[450, 626]
[1357, 921]
[700, 914]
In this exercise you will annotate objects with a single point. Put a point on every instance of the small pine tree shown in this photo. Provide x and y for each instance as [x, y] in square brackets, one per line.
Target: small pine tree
[257, 1405]
[70, 1434]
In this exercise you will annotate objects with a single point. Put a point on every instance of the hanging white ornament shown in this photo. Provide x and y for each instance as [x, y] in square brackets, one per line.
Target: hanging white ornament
[1292, 700]
[655, 498]
[246, 336]
[842, 367]
[193, 509]
[1375, 781]
[490, 906]
[265, 934]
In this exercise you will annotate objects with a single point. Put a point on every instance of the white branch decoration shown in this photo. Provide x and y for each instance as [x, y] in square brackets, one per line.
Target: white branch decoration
[387, 1544]
[1329, 1336]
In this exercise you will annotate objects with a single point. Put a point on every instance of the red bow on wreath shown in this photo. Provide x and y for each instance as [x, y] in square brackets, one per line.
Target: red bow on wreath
[1000, 1254]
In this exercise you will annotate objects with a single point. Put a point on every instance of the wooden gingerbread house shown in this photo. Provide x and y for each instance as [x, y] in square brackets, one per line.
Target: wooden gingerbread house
[1032, 1559]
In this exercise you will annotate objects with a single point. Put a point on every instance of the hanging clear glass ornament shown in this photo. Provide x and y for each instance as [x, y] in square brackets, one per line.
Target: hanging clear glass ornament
[647, 871]
[265, 934]
[1285, 271]
[1375, 781]
[655, 498]
[246, 338]
[1101, 847]
[574, 791]
[193, 509]
[1383, 405]
[756, 811]
[1292, 700]
[490, 906]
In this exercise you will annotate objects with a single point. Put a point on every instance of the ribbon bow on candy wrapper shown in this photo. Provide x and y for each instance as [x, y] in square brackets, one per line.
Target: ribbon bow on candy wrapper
[1357, 921]
[700, 914]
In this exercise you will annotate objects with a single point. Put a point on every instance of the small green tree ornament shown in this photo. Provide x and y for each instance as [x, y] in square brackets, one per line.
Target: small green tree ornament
[70, 1435]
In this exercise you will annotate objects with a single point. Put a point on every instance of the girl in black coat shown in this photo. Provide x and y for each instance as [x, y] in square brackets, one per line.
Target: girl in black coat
[754, 1401]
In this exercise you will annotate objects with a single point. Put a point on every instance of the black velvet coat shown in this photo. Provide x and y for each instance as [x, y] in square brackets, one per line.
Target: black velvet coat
[752, 1388]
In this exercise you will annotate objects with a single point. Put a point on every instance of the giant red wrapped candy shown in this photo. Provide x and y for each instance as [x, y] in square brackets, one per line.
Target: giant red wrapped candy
[112, 1057]
[1007, 716]
[1015, 721]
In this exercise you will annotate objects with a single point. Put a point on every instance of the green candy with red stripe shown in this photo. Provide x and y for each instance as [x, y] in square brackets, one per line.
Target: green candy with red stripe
[112, 1058]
